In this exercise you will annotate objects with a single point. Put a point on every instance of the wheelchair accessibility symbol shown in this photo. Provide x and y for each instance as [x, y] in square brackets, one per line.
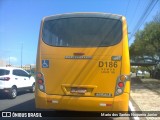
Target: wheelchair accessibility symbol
[45, 63]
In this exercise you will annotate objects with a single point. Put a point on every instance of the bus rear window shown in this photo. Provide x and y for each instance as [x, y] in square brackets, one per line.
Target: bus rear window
[4, 72]
[82, 32]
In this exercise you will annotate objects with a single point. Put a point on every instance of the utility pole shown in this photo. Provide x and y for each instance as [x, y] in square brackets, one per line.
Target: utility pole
[9, 60]
[21, 53]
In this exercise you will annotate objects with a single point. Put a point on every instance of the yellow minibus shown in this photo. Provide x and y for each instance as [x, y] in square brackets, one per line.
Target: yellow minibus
[83, 63]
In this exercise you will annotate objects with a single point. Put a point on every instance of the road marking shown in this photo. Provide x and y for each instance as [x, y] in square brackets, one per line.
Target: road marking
[132, 109]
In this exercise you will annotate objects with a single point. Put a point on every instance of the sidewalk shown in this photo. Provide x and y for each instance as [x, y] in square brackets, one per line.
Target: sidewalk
[145, 95]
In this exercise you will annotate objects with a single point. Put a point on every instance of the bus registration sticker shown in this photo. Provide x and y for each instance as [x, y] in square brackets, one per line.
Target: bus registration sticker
[45, 63]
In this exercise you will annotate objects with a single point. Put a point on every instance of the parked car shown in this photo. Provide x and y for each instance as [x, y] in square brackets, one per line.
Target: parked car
[140, 73]
[13, 80]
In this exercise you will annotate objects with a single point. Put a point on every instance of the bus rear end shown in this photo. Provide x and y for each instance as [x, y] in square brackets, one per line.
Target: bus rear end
[83, 63]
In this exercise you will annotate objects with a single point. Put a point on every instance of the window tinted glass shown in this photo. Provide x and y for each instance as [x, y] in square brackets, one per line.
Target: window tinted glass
[24, 73]
[19, 73]
[4, 72]
[15, 72]
[82, 32]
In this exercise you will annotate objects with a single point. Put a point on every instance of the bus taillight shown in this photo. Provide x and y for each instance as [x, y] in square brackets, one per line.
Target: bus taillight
[121, 80]
[40, 81]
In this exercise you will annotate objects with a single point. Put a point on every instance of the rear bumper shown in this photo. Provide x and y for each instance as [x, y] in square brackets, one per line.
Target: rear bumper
[57, 102]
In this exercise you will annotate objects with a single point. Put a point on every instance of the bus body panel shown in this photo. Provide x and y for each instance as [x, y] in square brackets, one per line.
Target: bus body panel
[125, 69]
[59, 102]
[100, 71]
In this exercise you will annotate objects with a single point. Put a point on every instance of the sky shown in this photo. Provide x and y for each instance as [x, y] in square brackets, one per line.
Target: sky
[20, 21]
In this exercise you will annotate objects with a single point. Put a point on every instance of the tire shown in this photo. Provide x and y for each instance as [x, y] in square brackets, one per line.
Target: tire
[33, 88]
[13, 93]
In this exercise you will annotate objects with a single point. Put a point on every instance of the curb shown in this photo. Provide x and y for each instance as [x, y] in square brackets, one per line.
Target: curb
[134, 107]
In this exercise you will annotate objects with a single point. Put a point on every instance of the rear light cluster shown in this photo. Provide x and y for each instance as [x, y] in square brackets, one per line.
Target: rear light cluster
[4, 78]
[40, 81]
[120, 84]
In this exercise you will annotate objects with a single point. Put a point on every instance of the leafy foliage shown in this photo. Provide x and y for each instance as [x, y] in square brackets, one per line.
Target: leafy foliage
[147, 41]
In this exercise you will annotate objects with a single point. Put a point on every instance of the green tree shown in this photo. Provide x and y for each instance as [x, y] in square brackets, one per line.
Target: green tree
[147, 41]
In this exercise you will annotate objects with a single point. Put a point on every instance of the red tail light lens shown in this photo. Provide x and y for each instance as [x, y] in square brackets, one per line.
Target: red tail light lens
[39, 75]
[5, 78]
[40, 81]
[121, 84]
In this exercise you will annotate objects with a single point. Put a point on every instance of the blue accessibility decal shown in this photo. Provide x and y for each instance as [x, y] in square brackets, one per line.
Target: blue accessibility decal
[45, 63]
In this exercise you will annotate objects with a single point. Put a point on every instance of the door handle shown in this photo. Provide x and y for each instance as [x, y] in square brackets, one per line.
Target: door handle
[24, 78]
[16, 78]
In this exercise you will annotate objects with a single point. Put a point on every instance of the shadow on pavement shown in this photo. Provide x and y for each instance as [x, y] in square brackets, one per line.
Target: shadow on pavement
[151, 84]
[136, 84]
[135, 81]
[5, 96]
[26, 106]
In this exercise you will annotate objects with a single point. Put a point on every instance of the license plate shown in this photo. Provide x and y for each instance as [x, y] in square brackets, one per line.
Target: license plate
[78, 90]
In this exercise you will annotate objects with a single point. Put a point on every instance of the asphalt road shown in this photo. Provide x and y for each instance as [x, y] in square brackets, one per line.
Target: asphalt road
[25, 102]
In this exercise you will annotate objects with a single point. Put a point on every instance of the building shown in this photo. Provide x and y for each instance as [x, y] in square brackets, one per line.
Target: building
[29, 67]
[3, 63]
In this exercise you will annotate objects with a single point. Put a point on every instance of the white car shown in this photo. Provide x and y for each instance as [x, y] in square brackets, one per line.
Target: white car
[140, 73]
[13, 80]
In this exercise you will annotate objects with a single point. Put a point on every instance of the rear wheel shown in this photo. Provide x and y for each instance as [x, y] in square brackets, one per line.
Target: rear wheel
[13, 93]
[33, 88]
